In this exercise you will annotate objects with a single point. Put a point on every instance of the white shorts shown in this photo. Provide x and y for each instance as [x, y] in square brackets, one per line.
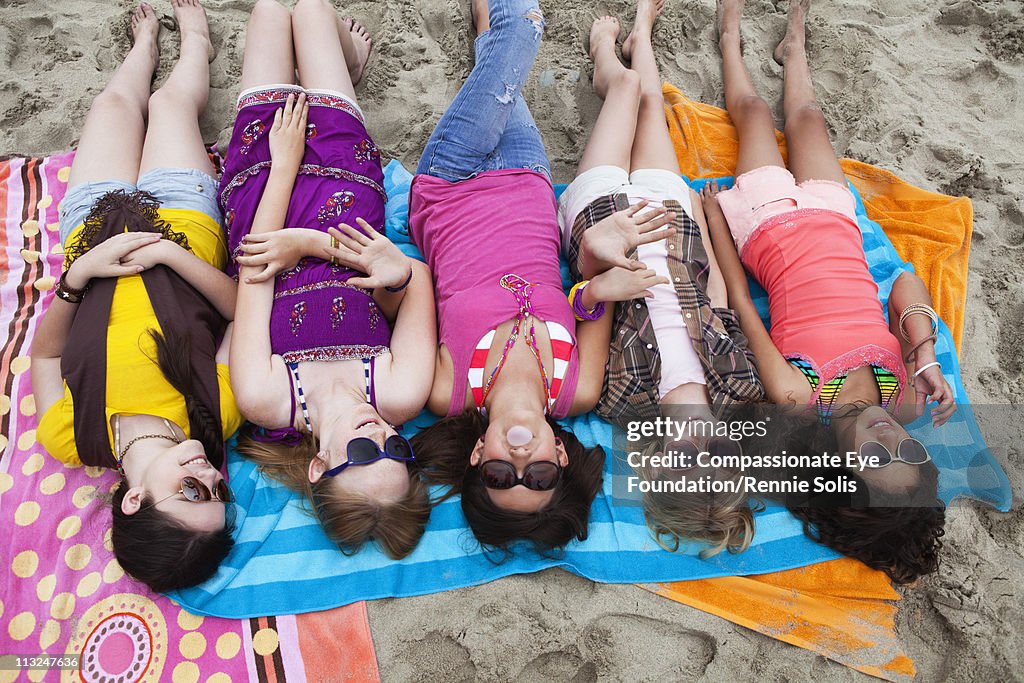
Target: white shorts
[680, 363]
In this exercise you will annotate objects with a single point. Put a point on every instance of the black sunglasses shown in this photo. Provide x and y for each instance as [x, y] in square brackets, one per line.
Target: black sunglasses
[538, 476]
[908, 450]
[363, 451]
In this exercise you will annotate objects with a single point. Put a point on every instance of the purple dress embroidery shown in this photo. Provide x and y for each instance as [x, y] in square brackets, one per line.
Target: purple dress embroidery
[316, 314]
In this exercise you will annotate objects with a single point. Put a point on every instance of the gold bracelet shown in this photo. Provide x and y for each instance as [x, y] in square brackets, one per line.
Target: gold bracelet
[918, 309]
[334, 245]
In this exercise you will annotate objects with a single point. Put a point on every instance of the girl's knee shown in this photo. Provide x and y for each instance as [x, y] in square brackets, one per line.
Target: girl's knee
[522, 15]
[751, 108]
[806, 116]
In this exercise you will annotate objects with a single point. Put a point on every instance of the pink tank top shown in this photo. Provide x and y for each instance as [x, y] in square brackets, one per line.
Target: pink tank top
[474, 232]
[823, 302]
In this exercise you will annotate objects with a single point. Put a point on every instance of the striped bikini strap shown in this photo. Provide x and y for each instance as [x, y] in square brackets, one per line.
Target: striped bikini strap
[294, 368]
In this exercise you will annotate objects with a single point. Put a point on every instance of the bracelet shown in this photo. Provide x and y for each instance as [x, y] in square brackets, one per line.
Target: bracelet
[334, 245]
[402, 286]
[576, 303]
[66, 292]
[922, 369]
[918, 309]
[912, 354]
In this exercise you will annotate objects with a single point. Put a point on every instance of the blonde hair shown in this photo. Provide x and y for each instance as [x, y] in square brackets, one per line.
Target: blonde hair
[349, 518]
[725, 520]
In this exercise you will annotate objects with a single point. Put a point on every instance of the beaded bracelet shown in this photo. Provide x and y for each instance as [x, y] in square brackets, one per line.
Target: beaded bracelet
[918, 309]
[576, 303]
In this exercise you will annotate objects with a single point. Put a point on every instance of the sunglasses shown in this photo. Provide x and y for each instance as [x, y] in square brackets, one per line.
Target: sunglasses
[196, 491]
[538, 476]
[687, 451]
[909, 450]
[363, 451]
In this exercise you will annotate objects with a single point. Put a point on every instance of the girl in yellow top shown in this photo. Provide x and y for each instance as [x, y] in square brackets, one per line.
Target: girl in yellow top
[161, 434]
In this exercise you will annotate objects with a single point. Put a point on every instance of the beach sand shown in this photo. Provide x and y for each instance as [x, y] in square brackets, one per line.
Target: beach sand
[929, 90]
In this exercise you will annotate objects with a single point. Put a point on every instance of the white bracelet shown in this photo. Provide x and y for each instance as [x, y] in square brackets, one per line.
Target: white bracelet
[922, 369]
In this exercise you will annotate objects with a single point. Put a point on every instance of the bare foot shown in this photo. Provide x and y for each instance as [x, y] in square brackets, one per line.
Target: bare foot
[647, 12]
[356, 45]
[145, 28]
[795, 22]
[730, 12]
[192, 23]
[602, 52]
[480, 11]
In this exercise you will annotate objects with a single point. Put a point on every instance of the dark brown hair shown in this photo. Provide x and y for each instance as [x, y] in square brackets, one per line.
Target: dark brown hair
[157, 550]
[349, 518]
[443, 451]
[896, 532]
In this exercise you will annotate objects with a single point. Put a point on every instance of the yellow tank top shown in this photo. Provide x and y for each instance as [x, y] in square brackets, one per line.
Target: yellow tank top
[135, 384]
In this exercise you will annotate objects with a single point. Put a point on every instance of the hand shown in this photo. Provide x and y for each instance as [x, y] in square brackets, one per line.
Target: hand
[288, 134]
[709, 198]
[161, 252]
[932, 383]
[372, 253]
[620, 284]
[280, 250]
[107, 259]
[606, 243]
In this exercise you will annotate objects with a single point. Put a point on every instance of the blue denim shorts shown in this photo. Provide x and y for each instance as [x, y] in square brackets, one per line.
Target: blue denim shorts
[174, 188]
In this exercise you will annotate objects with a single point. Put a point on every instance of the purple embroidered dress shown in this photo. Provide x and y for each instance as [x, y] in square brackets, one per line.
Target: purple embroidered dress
[316, 315]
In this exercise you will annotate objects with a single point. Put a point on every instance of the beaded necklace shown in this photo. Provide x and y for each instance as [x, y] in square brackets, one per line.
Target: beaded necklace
[521, 290]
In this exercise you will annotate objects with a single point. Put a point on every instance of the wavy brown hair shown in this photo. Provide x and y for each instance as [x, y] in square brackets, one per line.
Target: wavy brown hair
[725, 520]
[349, 518]
[443, 451]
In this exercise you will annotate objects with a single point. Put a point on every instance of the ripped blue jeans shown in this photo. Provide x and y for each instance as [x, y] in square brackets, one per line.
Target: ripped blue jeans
[488, 125]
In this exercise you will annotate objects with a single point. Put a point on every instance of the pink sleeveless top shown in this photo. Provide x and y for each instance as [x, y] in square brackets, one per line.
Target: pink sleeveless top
[823, 302]
[474, 232]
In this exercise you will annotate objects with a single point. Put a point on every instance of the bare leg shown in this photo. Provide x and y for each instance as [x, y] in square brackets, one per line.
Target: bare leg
[652, 146]
[269, 55]
[749, 113]
[173, 139]
[321, 61]
[612, 137]
[111, 143]
[811, 156]
[356, 45]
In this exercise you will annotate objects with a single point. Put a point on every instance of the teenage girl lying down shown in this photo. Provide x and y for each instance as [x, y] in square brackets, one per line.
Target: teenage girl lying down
[125, 366]
[335, 337]
[512, 355]
[829, 347]
[680, 353]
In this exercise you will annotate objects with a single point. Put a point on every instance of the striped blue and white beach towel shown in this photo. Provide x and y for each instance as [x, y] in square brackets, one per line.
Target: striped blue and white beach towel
[283, 563]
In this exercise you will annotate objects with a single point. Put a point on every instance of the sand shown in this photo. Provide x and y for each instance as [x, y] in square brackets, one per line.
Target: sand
[929, 90]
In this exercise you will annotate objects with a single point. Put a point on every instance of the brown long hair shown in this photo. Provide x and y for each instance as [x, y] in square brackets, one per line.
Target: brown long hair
[349, 518]
[443, 450]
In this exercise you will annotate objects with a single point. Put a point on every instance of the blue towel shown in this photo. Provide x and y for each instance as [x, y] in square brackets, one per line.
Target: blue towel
[282, 562]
